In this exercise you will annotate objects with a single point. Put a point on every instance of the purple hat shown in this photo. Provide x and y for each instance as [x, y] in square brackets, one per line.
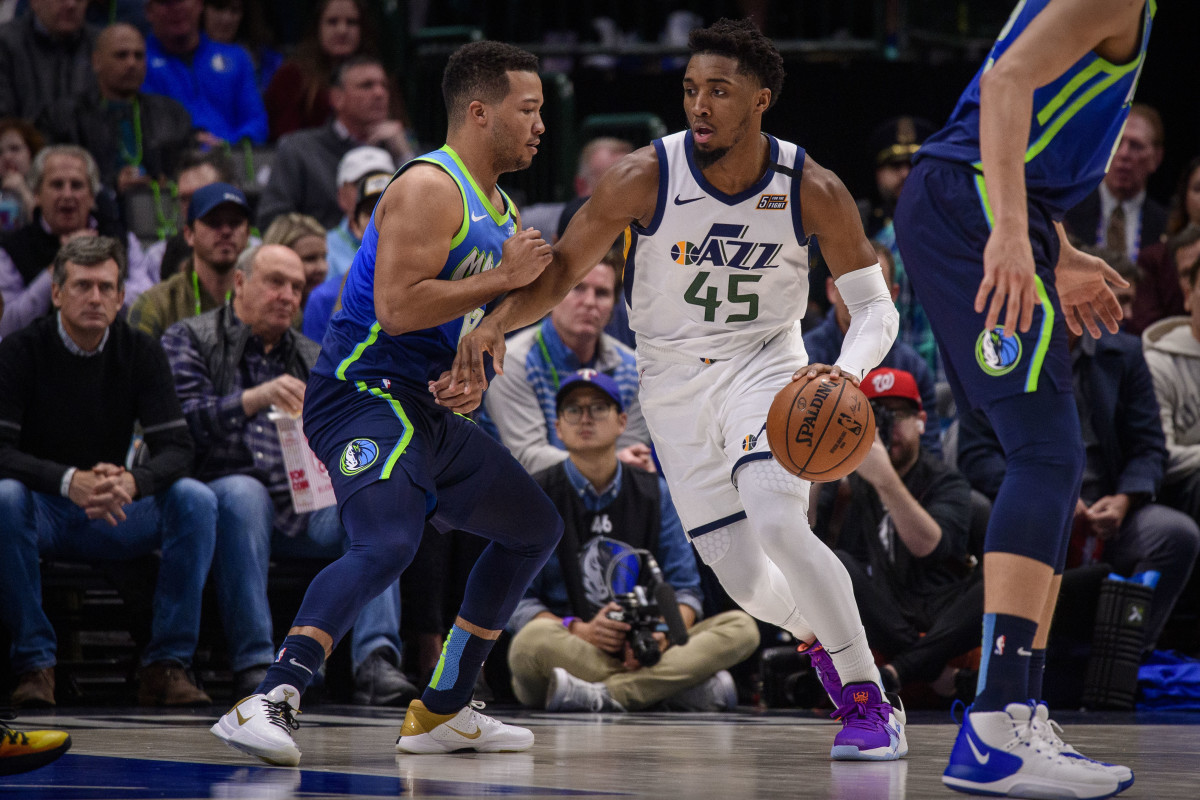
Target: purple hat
[589, 377]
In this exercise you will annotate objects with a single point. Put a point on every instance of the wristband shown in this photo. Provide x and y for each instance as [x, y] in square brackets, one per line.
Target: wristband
[567, 622]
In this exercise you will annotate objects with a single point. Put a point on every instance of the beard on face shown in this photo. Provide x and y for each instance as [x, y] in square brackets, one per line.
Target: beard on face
[706, 158]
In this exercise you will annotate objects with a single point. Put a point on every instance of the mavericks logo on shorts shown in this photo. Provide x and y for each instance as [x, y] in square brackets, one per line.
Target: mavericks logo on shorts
[996, 353]
[359, 454]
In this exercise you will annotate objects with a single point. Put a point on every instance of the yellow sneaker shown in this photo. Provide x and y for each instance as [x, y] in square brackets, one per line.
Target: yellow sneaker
[22, 751]
[427, 732]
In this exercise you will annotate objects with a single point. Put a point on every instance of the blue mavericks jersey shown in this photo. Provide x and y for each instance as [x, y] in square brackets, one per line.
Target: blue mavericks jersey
[1077, 119]
[355, 348]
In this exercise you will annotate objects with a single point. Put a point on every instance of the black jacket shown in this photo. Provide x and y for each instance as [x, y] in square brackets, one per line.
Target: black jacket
[37, 69]
[1083, 221]
[91, 122]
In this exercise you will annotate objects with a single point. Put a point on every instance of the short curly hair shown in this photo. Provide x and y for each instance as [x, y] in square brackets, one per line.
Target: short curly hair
[754, 53]
[479, 71]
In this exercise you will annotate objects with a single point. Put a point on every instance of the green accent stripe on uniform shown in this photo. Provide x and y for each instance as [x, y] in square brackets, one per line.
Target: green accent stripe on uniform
[462, 192]
[1052, 130]
[981, 188]
[1043, 342]
[497, 217]
[398, 410]
[357, 352]
[1056, 102]
[437, 673]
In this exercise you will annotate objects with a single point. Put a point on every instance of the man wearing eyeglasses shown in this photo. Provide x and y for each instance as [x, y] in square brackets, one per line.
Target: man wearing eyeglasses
[903, 534]
[568, 654]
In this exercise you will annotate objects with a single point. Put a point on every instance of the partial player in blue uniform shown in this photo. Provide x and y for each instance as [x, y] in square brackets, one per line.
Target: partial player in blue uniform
[979, 227]
[443, 242]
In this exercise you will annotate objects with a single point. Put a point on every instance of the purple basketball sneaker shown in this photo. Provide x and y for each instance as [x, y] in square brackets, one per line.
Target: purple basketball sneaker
[872, 726]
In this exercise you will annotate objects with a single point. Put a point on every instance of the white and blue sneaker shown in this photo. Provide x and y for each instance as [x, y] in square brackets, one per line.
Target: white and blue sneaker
[1006, 754]
[1050, 730]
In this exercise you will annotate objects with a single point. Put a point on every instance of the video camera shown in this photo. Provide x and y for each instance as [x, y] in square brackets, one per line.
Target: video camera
[648, 610]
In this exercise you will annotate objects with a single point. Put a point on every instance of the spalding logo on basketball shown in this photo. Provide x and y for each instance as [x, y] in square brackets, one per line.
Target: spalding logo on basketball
[820, 429]
[996, 353]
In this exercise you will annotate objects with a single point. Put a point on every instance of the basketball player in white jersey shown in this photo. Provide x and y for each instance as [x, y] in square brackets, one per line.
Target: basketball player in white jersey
[717, 220]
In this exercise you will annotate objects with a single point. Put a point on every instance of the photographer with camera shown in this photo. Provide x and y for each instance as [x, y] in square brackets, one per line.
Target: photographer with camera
[590, 632]
[900, 524]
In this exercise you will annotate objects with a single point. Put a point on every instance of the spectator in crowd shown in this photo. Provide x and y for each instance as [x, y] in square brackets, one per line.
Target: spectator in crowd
[568, 654]
[298, 95]
[1172, 349]
[65, 182]
[1125, 456]
[900, 525]
[134, 137]
[893, 145]
[1118, 213]
[19, 143]
[520, 403]
[218, 227]
[304, 176]
[45, 55]
[234, 22]
[326, 298]
[196, 170]
[344, 240]
[824, 342]
[305, 236]
[1160, 292]
[62, 490]
[594, 160]
[215, 82]
[233, 366]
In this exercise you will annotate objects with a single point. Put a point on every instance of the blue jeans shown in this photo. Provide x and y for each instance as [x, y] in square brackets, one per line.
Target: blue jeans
[180, 521]
[245, 544]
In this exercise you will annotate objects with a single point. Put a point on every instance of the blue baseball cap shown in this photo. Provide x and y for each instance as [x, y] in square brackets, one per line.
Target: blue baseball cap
[589, 377]
[206, 198]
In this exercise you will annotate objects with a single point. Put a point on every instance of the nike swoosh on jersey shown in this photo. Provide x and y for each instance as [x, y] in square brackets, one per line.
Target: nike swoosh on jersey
[980, 757]
[482, 216]
[681, 202]
[475, 735]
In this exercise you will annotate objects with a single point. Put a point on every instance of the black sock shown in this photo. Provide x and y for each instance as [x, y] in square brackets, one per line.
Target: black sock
[1004, 670]
[297, 662]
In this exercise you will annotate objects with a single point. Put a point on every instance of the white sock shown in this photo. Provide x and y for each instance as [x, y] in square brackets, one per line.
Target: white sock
[854, 661]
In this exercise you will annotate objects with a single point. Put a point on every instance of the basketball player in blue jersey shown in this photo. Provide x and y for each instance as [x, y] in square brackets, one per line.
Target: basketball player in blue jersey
[716, 277]
[979, 227]
[443, 242]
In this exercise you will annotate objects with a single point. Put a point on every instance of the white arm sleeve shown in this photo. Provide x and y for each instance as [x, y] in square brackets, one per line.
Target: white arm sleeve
[874, 321]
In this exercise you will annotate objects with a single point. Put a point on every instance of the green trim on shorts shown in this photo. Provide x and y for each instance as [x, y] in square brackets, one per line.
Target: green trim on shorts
[1043, 342]
[401, 445]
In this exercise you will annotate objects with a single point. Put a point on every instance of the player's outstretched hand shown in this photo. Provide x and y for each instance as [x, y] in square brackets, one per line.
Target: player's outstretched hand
[813, 370]
[467, 370]
[460, 398]
[1084, 292]
[524, 257]
[1008, 277]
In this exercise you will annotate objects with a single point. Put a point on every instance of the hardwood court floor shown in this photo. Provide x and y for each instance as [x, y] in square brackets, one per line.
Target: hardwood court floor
[349, 753]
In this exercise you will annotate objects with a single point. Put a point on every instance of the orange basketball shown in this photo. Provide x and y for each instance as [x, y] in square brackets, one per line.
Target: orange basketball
[820, 429]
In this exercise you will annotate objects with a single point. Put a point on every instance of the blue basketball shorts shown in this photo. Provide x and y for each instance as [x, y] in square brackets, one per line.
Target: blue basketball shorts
[942, 225]
[382, 430]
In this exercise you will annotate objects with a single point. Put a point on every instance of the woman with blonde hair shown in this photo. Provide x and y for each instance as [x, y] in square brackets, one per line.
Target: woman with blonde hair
[306, 237]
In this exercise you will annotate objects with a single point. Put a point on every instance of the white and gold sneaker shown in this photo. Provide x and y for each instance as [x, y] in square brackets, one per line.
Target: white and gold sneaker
[427, 732]
[261, 725]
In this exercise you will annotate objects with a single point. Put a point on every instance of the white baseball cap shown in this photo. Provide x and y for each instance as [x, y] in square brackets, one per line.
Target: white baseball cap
[362, 161]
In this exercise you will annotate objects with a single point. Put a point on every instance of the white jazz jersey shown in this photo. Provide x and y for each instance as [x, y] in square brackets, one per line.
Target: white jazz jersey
[714, 275]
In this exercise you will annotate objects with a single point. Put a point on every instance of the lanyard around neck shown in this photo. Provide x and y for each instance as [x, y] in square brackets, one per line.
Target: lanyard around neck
[541, 341]
[196, 291]
[134, 159]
